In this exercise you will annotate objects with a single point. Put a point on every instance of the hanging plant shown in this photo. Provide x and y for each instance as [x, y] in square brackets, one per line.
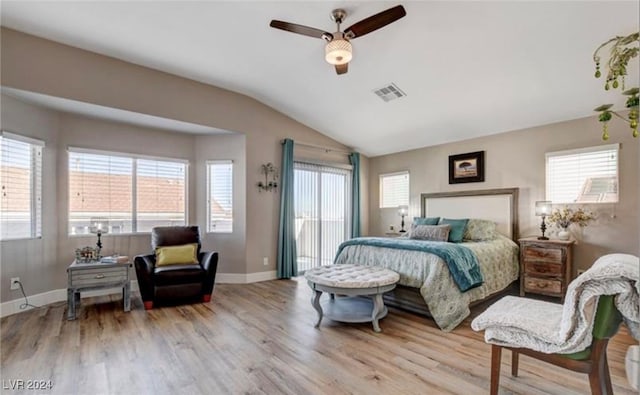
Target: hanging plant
[624, 49]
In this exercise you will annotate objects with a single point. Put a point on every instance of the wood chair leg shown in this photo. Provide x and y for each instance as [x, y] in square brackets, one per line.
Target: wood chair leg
[599, 376]
[496, 359]
[514, 363]
[607, 375]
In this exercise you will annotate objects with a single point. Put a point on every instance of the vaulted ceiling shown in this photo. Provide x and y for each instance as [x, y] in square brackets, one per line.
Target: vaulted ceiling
[468, 68]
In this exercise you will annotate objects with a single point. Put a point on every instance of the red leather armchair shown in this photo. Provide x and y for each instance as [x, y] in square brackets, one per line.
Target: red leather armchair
[174, 283]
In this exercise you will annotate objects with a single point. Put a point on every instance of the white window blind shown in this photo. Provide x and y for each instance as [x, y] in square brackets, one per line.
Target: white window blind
[220, 196]
[131, 194]
[587, 175]
[394, 189]
[21, 187]
[161, 193]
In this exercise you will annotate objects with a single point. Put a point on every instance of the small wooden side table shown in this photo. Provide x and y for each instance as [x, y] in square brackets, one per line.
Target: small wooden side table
[94, 276]
[545, 266]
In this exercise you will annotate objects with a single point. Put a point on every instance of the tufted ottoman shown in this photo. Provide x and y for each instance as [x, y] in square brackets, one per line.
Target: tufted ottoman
[351, 281]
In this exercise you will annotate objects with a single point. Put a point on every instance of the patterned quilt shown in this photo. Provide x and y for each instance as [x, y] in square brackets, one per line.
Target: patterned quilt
[462, 263]
[498, 260]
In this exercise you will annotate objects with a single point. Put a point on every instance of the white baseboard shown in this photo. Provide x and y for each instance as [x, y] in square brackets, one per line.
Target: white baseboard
[59, 295]
[245, 278]
[56, 295]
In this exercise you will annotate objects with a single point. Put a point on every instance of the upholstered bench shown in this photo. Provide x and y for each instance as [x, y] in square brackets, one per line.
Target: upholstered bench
[351, 281]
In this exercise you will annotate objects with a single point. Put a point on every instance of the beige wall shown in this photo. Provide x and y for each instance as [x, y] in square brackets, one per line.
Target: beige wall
[34, 261]
[41, 263]
[230, 246]
[38, 65]
[516, 159]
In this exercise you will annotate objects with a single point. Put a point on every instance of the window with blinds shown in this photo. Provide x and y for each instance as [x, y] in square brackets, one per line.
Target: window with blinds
[160, 194]
[220, 196]
[587, 175]
[21, 187]
[322, 208]
[394, 189]
[131, 194]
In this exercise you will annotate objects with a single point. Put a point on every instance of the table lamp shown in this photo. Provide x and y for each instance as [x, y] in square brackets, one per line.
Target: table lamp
[403, 211]
[543, 209]
[99, 226]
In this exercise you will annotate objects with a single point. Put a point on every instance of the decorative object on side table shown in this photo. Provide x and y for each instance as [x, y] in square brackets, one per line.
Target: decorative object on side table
[270, 177]
[467, 167]
[402, 212]
[87, 255]
[543, 209]
[565, 217]
[623, 50]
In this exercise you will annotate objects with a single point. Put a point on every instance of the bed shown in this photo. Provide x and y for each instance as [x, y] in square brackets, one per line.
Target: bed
[426, 285]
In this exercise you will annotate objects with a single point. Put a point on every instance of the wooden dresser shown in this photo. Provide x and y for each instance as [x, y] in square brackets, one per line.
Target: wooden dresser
[545, 266]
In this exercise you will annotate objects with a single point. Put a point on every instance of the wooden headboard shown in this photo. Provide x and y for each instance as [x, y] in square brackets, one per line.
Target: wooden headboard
[497, 205]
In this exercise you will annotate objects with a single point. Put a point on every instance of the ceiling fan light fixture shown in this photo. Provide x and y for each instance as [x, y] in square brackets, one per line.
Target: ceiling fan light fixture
[338, 51]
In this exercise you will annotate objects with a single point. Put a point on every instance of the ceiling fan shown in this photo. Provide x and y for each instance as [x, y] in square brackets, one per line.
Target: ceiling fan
[338, 50]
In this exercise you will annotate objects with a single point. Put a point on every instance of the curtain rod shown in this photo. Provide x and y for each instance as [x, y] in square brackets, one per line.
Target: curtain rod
[327, 149]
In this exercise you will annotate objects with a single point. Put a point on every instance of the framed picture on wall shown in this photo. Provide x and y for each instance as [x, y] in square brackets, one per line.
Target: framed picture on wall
[467, 167]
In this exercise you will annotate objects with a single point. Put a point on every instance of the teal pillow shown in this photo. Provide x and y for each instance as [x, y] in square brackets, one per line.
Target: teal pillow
[458, 227]
[426, 221]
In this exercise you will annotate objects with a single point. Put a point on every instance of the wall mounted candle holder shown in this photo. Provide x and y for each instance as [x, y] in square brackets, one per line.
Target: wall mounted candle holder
[270, 178]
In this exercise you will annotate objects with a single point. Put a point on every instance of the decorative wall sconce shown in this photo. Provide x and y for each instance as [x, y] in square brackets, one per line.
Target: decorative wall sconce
[623, 50]
[270, 178]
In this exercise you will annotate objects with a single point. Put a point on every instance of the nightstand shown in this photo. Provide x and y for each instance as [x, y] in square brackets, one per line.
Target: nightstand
[96, 276]
[394, 234]
[545, 266]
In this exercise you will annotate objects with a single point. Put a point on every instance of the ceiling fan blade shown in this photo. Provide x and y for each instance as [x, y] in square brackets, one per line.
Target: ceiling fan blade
[375, 22]
[300, 29]
[342, 68]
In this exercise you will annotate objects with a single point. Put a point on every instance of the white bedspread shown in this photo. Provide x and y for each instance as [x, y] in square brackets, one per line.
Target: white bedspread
[553, 328]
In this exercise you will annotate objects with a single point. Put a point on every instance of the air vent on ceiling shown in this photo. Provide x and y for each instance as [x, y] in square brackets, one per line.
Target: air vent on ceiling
[389, 92]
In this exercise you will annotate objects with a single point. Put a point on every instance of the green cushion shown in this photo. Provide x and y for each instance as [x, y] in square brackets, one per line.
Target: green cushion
[177, 255]
[605, 325]
[426, 220]
[457, 228]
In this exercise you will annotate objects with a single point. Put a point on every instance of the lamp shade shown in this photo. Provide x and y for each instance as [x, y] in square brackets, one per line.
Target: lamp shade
[99, 225]
[338, 51]
[403, 210]
[543, 208]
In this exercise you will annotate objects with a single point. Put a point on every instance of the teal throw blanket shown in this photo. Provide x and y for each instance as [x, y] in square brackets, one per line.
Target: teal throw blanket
[462, 262]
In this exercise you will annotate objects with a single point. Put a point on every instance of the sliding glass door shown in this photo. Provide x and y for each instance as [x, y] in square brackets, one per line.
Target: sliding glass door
[322, 210]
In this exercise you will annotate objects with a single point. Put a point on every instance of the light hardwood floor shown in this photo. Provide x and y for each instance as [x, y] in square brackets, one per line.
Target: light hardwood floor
[259, 338]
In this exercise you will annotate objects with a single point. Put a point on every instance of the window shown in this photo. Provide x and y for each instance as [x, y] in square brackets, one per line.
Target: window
[322, 199]
[21, 183]
[587, 175]
[132, 194]
[220, 196]
[394, 189]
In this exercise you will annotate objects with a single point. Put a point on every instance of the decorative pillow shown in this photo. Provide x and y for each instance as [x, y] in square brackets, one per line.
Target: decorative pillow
[426, 221]
[430, 232]
[480, 229]
[457, 228]
[177, 255]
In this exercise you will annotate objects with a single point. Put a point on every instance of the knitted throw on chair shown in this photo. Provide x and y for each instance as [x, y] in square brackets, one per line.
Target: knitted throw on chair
[553, 328]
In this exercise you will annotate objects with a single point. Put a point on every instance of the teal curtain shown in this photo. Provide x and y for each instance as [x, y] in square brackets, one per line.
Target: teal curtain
[354, 158]
[287, 255]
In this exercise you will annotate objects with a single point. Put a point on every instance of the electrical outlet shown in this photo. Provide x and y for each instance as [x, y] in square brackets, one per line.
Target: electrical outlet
[265, 261]
[15, 283]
